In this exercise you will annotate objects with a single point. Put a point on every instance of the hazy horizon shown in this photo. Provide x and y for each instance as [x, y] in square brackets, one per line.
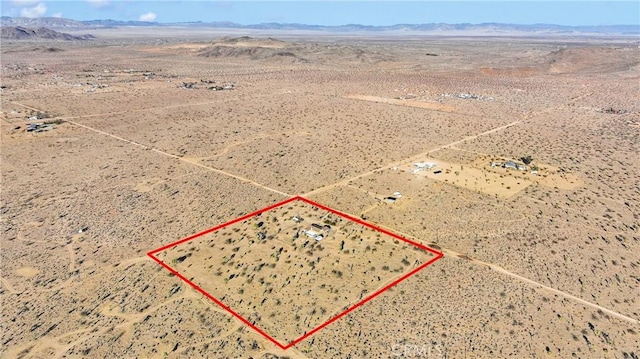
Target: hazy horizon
[368, 13]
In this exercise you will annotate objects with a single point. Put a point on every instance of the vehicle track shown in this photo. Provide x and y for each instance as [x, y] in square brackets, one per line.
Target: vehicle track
[187, 160]
[456, 254]
[8, 286]
[446, 251]
[406, 160]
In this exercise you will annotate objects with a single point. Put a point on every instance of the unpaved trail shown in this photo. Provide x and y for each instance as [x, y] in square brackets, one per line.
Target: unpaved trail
[292, 353]
[187, 160]
[25, 106]
[146, 110]
[525, 117]
[190, 161]
[60, 349]
[370, 193]
[455, 254]
[7, 122]
[369, 209]
[232, 329]
[549, 289]
[134, 260]
[245, 180]
[228, 147]
[409, 159]
[10, 288]
[92, 332]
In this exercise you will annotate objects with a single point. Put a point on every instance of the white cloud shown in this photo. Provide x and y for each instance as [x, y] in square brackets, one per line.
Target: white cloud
[99, 3]
[58, 14]
[36, 11]
[150, 16]
[25, 2]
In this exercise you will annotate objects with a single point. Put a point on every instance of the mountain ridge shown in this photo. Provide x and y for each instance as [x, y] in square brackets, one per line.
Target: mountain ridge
[69, 24]
[25, 33]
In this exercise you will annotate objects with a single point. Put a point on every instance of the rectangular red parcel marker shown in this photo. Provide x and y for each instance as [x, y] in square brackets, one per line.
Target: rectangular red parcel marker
[313, 238]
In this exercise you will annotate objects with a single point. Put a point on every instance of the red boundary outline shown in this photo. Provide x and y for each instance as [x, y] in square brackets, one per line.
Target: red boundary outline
[438, 255]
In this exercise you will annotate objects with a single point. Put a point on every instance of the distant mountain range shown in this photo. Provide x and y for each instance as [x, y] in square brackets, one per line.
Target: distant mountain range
[23, 33]
[62, 23]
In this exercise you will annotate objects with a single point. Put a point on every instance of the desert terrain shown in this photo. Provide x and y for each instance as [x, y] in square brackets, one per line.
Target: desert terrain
[116, 146]
[319, 264]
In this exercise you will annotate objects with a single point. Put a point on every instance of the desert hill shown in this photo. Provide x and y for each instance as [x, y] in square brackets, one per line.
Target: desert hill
[24, 33]
[43, 49]
[270, 48]
[591, 60]
[244, 40]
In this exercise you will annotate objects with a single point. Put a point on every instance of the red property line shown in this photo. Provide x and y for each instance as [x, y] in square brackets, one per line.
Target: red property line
[196, 287]
[352, 308]
[359, 221]
[171, 245]
[279, 204]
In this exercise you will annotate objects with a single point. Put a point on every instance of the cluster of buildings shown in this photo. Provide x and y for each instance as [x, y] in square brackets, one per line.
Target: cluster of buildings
[315, 231]
[509, 164]
[422, 166]
[39, 127]
[468, 96]
[210, 85]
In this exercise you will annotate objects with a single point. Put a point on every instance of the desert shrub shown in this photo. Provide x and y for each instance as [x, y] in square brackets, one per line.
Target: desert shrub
[526, 159]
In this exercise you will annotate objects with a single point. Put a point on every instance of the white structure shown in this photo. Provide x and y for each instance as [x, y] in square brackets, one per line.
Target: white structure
[515, 166]
[424, 165]
[313, 234]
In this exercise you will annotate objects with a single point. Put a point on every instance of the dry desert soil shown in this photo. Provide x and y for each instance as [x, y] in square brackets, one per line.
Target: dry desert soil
[144, 139]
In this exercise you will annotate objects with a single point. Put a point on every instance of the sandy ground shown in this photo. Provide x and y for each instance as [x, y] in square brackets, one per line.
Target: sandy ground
[404, 102]
[288, 283]
[135, 160]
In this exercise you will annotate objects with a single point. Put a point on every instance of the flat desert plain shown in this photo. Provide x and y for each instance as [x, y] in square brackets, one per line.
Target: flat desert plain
[291, 269]
[518, 158]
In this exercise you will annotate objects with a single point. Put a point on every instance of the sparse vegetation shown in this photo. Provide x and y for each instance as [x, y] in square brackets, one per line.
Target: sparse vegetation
[157, 162]
[526, 160]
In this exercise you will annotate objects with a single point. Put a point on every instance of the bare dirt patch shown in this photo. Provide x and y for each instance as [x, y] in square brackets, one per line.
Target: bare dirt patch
[408, 103]
[147, 185]
[27, 272]
[474, 179]
[563, 181]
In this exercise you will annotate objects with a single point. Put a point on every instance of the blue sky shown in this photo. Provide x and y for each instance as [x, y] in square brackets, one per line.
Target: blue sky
[336, 12]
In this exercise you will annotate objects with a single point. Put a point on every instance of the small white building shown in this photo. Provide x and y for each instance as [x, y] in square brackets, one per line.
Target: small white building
[424, 165]
[313, 234]
[515, 166]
